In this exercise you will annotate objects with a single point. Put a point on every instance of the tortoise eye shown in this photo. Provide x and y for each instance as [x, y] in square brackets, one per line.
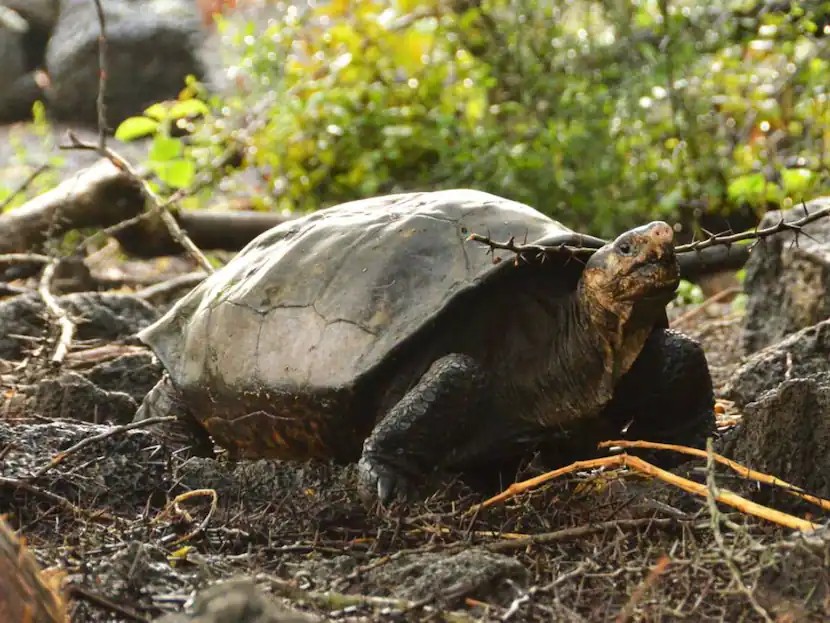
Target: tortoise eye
[625, 248]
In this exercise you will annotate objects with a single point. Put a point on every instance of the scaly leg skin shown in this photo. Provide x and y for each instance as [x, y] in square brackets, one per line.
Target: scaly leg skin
[162, 401]
[433, 420]
[667, 395]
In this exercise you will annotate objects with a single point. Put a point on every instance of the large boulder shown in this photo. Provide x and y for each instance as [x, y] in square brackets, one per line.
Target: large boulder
[786, 433]
[25, 27]
[787, 279]
[152, 46]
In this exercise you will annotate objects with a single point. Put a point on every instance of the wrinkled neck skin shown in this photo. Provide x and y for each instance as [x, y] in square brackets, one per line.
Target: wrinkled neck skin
[556, 367]
[588, 351]
[621, 329]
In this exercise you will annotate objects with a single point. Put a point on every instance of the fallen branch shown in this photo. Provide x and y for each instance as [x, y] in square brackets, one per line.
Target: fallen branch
[104, 196]
[159, 207]
[741, 470]
[646, 468]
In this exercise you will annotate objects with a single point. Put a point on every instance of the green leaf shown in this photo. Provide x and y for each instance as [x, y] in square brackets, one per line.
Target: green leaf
[165, 148]
[746, 187]
[176, 173]
[135, 127]
[188, 108]
[159, 112]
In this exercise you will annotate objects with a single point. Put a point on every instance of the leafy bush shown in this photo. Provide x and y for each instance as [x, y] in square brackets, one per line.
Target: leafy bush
[600, 114]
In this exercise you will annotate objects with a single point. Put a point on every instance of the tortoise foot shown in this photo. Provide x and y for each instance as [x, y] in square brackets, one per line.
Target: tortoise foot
[379, 480]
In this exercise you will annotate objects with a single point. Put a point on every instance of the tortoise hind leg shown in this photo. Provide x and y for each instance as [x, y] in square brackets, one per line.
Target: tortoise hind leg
[432, 422]
[666, 396]
[163, 401]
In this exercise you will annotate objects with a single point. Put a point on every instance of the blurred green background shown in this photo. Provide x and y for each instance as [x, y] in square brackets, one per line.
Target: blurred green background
[600, 113]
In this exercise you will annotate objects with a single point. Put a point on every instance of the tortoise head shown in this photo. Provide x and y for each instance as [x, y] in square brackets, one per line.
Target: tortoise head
[638, 269]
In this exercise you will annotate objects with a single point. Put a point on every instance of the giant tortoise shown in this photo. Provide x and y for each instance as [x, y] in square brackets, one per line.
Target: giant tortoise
[375, 330]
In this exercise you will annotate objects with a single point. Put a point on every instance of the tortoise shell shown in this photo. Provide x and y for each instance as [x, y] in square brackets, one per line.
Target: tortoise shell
[308, 309]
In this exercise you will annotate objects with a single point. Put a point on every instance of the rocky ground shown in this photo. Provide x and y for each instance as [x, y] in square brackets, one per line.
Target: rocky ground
[137, 528]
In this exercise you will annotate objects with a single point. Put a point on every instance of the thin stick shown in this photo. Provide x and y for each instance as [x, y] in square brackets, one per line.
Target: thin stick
[102, 76]
[24, 185]
[214, 504]
[577, 532]
[644, 467]
[64, 321]
[713, 240]
[741, 470]
[693, 313]
[712, 494]
[58, 500]
[90, 440]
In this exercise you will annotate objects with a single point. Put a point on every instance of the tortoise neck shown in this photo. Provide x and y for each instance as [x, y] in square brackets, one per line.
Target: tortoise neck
[619, 332]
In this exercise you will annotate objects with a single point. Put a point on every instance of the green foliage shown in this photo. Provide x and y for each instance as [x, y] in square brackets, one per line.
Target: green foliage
[600, 114]
[15, 193]
[688, 293]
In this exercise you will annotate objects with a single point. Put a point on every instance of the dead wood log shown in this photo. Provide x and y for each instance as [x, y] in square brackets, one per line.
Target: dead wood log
[102, 196]
[26, 592]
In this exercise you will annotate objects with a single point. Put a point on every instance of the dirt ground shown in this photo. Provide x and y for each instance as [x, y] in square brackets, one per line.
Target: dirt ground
[137, 527]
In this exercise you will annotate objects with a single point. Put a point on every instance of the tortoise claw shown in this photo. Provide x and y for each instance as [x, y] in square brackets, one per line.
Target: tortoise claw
[381, 482]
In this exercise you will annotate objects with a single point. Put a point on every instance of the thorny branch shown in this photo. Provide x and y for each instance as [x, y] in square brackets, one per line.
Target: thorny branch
[722, 239]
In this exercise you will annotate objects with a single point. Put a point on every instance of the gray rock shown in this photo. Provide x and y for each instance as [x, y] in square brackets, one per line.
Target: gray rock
[474, 572]
[236, 601]
[788, 285]
[796, 356]
[152, 46]
[16, 93]
[786, 433]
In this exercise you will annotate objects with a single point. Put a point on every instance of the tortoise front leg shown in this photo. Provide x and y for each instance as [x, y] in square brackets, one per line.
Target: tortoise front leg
[431, 423]
[666, 396]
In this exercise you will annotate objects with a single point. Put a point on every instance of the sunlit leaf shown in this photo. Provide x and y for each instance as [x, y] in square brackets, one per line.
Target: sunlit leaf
[135, 127]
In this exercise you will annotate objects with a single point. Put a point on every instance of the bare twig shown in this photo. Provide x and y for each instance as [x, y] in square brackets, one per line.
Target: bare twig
[24, 185]
[695, 312]
[80, 593]
[744, 472]
[646, 468]
[102, 76]
[576, 532]
[115, 430]
[58, 500]
[64, 321]
[712, 494]
[20, 258]
[214, 503]
[188, 280]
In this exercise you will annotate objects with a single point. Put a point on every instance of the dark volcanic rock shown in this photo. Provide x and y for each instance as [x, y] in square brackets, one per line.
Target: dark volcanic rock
[71, 396]
[788, 285]
[800, 354]
[786, 433]
[98, 316]
[151, 49]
